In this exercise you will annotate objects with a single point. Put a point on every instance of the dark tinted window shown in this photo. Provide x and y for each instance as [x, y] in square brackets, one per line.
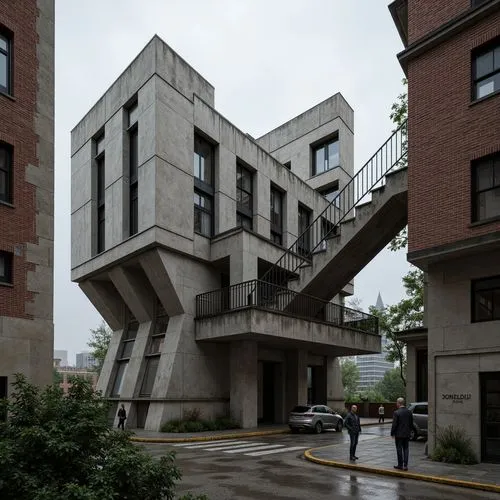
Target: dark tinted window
[486, 299]
[5, 173]
[5, 63]
[326, 157]
[301, 409]
[420, 410]
[486, 70]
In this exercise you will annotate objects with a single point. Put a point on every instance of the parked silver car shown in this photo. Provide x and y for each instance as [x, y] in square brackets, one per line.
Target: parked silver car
[420, 418]
[315, 418]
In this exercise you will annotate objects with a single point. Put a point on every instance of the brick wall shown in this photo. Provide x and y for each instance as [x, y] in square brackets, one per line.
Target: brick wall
[425, 16]
[17, 225]
[446, 132]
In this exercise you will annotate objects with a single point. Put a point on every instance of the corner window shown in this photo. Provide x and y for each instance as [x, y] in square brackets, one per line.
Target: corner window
[244, 197]
[276, 216]
[5, 63]
[486, 188]
[204, 160]
[331, 193]
[486, 70]
[486, 299]
[326, 157]
[5, 267]
[203, 209]
[5, 172]
[133, 137]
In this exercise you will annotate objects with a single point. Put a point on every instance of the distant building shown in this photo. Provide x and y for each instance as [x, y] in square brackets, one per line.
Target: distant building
[67, 372]
[85, 360]
[62, 356]
[373, 367]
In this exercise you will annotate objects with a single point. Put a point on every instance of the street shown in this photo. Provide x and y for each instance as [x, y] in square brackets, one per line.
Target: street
[273, 467]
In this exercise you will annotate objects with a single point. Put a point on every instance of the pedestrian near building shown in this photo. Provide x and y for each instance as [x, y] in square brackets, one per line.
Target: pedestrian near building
[381, 413]
[402, 424]
[122, 416]
[354, 428]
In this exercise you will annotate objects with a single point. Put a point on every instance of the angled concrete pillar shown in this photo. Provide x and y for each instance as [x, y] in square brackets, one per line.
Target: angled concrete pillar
[296, 369]
[135, 291]
[243, 380]
[334, 387]
[106, 300]
[105, 380]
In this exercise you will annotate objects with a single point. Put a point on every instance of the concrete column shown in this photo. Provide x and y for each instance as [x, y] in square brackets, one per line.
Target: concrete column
[242, 267]
[411, 372]
[335, 389]
[106, 300]
[107, 372]
[243, 379]
[296, 368]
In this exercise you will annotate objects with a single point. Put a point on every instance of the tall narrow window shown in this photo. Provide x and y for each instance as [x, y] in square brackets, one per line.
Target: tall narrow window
[5, 267]
[101, 187]
[486, 69]
[304, 242]
[276, 216]
[326, 156]
[5, 63]
[5, 172]
[203, 186]
[486, 299]
[3, 395]
[124, 354]
[133, 134]
[486, 188]
[244, 197]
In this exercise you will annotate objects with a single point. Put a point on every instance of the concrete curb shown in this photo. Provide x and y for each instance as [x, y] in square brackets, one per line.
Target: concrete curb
[407, 475]
[215, 437]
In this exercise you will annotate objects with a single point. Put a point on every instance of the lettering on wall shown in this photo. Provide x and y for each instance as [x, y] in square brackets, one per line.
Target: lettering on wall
[457, 398]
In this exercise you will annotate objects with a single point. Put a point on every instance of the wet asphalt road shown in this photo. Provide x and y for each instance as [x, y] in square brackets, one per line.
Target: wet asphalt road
[225, 471]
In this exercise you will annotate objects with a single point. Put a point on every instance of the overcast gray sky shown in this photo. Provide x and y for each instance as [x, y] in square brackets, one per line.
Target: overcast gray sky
[269, 60]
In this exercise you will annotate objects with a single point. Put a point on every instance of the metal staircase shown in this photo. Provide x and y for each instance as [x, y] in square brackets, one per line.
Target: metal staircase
[390, 157]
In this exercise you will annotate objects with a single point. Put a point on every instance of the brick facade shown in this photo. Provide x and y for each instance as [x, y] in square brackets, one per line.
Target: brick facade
[17, 129]
[446, 132]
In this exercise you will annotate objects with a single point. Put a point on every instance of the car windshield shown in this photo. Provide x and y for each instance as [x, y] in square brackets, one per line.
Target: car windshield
[301, 409]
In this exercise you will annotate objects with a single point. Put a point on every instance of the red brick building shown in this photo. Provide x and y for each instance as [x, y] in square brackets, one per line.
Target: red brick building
[26, 189]
[452, 61]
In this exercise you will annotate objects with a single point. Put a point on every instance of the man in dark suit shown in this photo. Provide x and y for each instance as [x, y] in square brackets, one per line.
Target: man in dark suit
[353, 426]
[402, 424]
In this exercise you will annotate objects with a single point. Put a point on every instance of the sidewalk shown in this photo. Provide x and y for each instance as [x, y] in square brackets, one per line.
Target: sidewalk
[377, 454]
[142, 436]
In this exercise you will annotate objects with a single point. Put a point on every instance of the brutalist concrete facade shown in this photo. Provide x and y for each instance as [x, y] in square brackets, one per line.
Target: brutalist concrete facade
[26, 190]
[161, 362]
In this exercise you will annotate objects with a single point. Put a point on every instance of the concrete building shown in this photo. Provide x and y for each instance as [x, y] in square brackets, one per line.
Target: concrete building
[214, 257]
[26, 190]
[66, 373]
[452, 60]
[62, 356]
[373, 367]
[85, 360]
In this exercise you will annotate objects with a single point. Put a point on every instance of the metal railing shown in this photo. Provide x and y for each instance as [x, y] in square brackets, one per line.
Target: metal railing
[390, 156]
[262, 295]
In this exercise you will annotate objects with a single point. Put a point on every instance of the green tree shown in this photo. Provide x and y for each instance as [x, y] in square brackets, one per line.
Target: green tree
[56, 447]
[57, 378]
[391, 387]
[350, 377]
[100, 338]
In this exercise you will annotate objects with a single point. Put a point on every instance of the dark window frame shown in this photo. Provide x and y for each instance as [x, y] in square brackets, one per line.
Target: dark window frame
[8, 171]
[133, 141]
[304, 242]
[288, 165]
[477, 3]
[489, 284]
[203, 210]
[244, 215]
[490, 46]
[476, 192]
[7, 37]
[8, 262]
[276, 226]
[325, 145]
[100, 166]
[333, 188]
[202, 188]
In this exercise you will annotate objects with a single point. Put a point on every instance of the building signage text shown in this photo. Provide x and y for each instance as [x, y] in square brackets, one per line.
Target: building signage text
[457, 398]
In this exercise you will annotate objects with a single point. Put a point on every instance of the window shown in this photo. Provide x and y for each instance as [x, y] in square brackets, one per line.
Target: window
[125, 352]
[276, 216]
[133, 135]
[476, 3]
[288, 165]
[5, 267]
[304, 241]
[326, 157]
[486, 188]
[5, 63]
[101, 206]
[5, 172]
[3, 395]
[149, 375]
[331, 193]
[120, 376]
[486, 70]
[486, 299]
[244, 197]
[203, 186]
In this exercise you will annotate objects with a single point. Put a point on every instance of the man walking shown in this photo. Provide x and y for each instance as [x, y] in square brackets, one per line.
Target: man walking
[122, 416]
[402, 424]
[354, 428]
[381, 413]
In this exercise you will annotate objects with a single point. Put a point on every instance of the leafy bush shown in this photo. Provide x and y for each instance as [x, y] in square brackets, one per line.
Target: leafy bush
[184, 425]
[341, 411]
[453, 446]
[192, 415]
[56, 447]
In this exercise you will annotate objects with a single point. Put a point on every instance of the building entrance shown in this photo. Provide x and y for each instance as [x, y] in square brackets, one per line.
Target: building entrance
[490, 417]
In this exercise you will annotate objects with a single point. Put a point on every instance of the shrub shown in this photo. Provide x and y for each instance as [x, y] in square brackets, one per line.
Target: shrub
[342, 412]
[453, 446]
[56, 447]
[219, 424]
[192, 415]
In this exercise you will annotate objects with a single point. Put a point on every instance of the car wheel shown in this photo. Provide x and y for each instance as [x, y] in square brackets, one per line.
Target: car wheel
[339, 426]
[294, 430]
[318, 428]
[414, 434]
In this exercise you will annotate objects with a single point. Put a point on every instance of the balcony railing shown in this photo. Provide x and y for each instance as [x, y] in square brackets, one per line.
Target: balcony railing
[262, 295]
